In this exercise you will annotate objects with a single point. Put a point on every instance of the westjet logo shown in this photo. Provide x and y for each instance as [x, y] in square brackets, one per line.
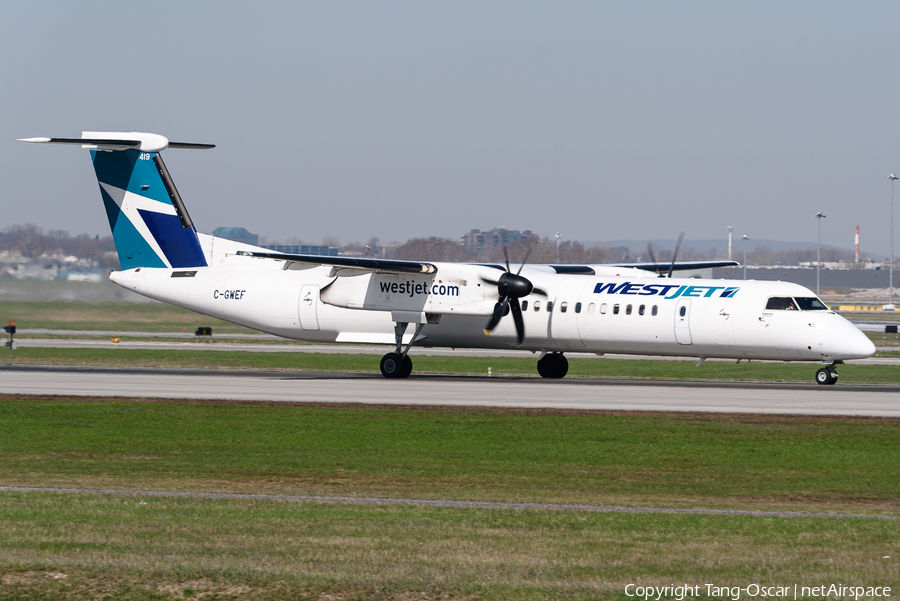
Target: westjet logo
[413, 288]
[663, 290]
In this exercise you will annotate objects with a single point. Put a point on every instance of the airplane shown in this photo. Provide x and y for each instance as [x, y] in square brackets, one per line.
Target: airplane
[629, 308]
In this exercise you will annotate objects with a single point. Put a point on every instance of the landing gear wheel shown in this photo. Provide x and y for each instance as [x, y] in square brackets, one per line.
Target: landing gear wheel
[562, 366]
[407, 366]
[395, 365]
[543, 367]
[826, 376]
[553, 365]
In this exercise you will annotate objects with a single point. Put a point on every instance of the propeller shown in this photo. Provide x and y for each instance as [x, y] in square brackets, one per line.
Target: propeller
[675, 254]
[511, 287]
[674, 257]
[653, 258]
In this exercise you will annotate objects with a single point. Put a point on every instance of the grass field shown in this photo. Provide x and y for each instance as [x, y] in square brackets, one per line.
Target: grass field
[155, 548]
[500, 366]
[150, 316]
[63, 546]
[89, 547]
[472, 455]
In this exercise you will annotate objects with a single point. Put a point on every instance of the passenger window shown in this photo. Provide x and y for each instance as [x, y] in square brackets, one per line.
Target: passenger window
[628, 310]
[590, 308]
[563, 307]
[683, 311]
[781, 303]
[524, 305]
[654, 311]
[549, 306]
[641, 310]
[578, 307]
[616, 309]
[603, 309]
[537, 305]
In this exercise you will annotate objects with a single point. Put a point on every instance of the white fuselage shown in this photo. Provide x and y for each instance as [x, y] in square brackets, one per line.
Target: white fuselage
[619, 310]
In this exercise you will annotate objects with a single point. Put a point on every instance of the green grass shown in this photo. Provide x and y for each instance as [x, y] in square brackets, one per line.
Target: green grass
[747, 462]
[96, 546]
[69, 546]
[501, 366]
[118, 316]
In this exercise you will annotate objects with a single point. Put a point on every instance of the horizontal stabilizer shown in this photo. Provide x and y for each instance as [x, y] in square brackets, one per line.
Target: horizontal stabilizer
[144, 142]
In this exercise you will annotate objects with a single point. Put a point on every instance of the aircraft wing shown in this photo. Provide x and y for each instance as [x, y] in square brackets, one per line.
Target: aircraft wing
[678, 266]
[356, 263]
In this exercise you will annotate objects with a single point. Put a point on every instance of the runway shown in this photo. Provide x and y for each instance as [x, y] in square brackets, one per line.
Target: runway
[188, 343]
[585, 394]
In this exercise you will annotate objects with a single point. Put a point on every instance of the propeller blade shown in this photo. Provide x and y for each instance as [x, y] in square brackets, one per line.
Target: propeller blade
[525, 260]
[491, 282]
[675, 254]
[653, 258]
[499, 310]
[539, 291]
[506, 256]
[520, 322]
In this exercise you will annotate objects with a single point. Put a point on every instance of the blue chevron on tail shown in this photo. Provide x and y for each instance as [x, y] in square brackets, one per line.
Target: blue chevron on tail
[149, 222]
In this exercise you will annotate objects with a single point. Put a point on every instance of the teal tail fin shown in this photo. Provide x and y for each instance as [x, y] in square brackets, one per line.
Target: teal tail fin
[149, 222]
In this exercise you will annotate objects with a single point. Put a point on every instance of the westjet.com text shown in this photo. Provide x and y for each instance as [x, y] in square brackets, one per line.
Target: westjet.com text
[413, 288]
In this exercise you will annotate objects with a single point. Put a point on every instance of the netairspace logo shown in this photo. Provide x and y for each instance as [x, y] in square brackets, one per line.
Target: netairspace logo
[754, 591]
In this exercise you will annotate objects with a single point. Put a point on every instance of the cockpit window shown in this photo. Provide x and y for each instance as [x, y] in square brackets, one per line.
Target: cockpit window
[811, 303]
[781, 303]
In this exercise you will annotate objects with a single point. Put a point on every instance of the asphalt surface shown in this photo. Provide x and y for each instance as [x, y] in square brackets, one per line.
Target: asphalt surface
[189, 343]
[772, 398]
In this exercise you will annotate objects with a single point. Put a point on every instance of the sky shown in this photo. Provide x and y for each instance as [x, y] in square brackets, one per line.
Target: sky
[599, 120]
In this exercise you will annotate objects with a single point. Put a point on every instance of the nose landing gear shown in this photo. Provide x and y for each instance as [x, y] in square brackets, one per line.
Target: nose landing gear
[827, 376]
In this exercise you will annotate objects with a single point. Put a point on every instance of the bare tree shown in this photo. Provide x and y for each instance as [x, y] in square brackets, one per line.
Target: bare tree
[432, 249]
[546, 250]
[29, 239]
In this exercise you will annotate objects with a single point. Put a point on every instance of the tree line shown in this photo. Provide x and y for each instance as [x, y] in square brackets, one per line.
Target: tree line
[546, 250]
[33, 242]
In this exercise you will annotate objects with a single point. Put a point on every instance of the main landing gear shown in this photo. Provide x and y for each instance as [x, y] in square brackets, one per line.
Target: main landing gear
[398, 364]
[827, 376]
[553, 365]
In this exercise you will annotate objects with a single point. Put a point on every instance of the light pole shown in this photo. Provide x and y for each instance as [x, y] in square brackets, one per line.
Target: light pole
[745, 237]
[893, 178]
[730, 231]
[819, 217]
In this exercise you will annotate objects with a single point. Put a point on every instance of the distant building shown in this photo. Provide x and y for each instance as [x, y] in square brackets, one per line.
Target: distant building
[304, 249]
[477, 241]
[237, 234]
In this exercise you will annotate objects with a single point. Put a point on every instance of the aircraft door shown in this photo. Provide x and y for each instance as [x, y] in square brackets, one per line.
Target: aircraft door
[308, 307]
[563, 320]
[683, 321]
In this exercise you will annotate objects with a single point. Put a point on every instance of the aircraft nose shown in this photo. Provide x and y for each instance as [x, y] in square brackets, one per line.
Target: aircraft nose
[848, 342]
[860, 346]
